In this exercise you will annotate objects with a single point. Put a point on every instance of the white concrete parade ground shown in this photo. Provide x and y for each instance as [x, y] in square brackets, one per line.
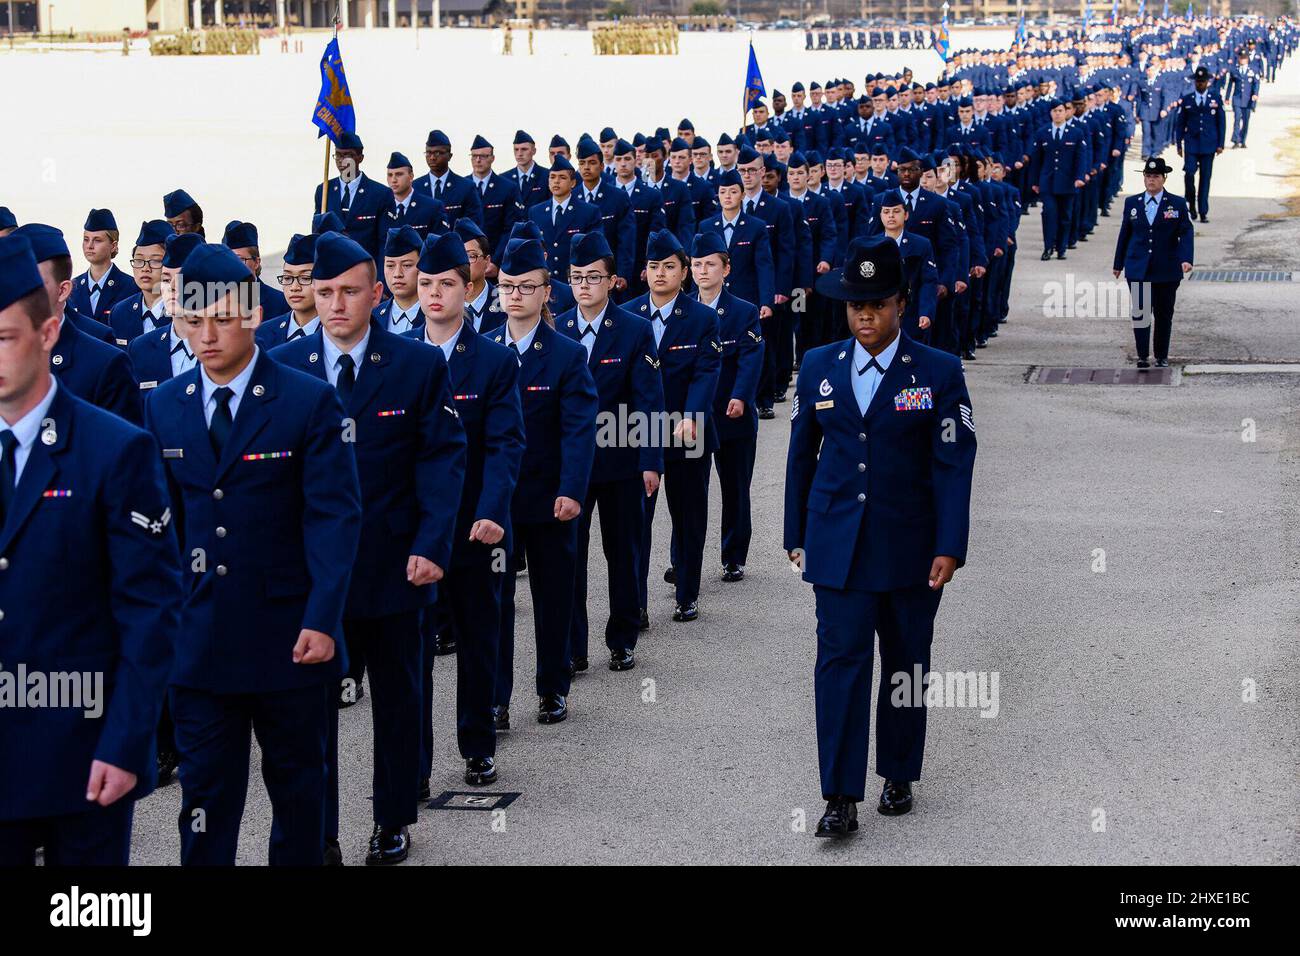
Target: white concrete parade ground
[1132, 578]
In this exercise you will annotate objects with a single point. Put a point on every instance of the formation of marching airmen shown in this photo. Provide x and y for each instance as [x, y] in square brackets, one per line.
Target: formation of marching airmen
[263, 496]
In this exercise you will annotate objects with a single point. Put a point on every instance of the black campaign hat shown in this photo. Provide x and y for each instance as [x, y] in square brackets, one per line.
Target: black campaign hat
[1156, 164]
[873, 269]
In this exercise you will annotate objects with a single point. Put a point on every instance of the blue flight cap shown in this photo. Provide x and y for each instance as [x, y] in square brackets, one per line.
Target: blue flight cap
[210, 272]
[662, 134]
[480, 143]
[558, 141]
[398, 161]
[301, 250]
[965, 101]
[813, 157]
[588, 147]
[521, 137]
[468, 229]
[907, 155]
[623, 148]
[678, 145]
[326, 222]
[685, 124]
[781, 135]
[7, 219]
[890, 197]
[747, 155]
[47, 242]
[19, 275]
[797, 88]
[562, 165]
[523, 258]
[797, 161]
[239, 235]
[728, 177]
[726, 140]
[154, 232]
[662, 244]
[588, 247]
[442, 253]
[178, 248]
[402, 241]
[700, 143]
[638, 140]
[100, 220]
[607, 134]
[350, 141]
[437, 137]
[336, 254]
[525, 229]
[708, 244]
[653, 144]
[176, 202]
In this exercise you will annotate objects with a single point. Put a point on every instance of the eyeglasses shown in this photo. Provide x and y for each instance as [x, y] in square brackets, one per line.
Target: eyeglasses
[475, 256]
[587, 280]
[146, 263]
[248, 260]
[291, 280]
[523, 288]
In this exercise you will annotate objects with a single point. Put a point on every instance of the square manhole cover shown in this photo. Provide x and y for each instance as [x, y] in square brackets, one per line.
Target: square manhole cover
[466, 800]
[1061, 375]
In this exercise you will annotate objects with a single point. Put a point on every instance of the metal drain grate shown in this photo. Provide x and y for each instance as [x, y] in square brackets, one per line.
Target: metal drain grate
[1045, 375]
[1238, 275]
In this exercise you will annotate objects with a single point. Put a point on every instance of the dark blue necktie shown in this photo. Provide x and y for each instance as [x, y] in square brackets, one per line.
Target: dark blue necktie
[871, 363]
[8, 472]
[222, 421]
[347, 378]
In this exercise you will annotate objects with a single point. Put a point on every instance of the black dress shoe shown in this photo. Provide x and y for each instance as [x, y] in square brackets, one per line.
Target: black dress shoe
[424, 792]
[670, 575]
[480, 771]
[168, 761]
[1060, 255]
[442, 646]
[1106, 213]
[1069, 245]
[621, 660]
[1143, 364]
[981, 343]
[388, 845]
[333, 855]
[551, 709]
[895, 798]
[686, 612]
[778, 399]
[1047, 254]
[1162, 363]
[1205, 219]
[1083, 238]
[766, 413]
[732, 573]
[501, 718]
[840, 818]
[350, 692]
[968, 355]
[644, 623]
[578, 664]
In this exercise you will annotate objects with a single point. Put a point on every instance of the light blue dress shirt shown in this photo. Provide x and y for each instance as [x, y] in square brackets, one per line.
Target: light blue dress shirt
[658, 324]
[27, 428]
[866, 383]
[522, 345]
[333, 353]
[238, 385]
[589, 341]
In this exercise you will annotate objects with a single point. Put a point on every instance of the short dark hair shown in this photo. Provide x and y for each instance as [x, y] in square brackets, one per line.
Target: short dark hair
[482, 243]
[35, 305]
[463, 272]
[61, 266]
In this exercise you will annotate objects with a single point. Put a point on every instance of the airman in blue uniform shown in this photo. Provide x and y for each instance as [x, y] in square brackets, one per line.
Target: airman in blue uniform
[146, 310]
[1058, 166]
[498, 196]
[410, 459]
[241, 239]
[160, 354]
[296, 280]
[560, 402]
[484, 379]
[183, 213]
[647, 212]
[562, 217]
[358, 200]
[877, 515]
[89, 585]
[103, 285]
[401, 313]
[1243, 94]
[623, 362]
[455, 192]
[90, 368]
[528, 177]
[735, 415]
[614, 208]
[749, 251]
[264, 489]
[1202, 129]
[1154, 250]
[407, 207]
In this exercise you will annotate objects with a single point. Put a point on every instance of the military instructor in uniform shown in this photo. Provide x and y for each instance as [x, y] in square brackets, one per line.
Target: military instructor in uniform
[877, 512]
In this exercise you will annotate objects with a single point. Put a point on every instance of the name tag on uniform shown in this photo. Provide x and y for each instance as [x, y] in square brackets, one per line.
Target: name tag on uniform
[913, 399]
[173, 452]
[389, 413]
[145, 385]
[829, 403]
[266, 455]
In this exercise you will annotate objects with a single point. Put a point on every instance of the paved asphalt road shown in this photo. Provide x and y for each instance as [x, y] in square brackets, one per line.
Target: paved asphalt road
[1120, 692]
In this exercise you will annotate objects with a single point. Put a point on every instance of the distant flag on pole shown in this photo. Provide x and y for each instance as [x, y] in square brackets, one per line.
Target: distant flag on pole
[1114, 12]
[1190, 13]
[1164, 13]
[941, 39]
[334, 114]
[1020, 30]
[754, 88]
[1087, 16]
[1142, 9]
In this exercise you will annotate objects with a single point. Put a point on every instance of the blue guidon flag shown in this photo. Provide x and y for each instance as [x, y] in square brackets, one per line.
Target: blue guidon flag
[334, 114]
[1020, 30]
[754, 88]
[941, 40]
